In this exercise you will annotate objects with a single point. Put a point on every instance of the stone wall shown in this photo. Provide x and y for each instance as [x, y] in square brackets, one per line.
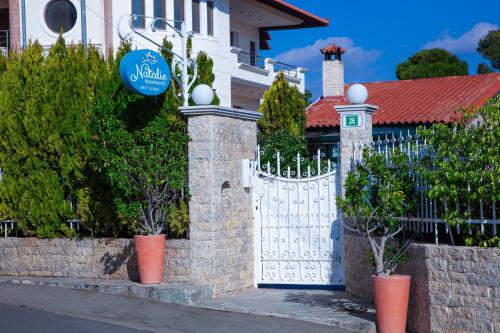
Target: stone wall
[453, 289]
[87, 258]
[220, 209]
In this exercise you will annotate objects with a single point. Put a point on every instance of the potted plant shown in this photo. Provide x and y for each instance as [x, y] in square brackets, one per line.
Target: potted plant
[148, 170]
[375, 199]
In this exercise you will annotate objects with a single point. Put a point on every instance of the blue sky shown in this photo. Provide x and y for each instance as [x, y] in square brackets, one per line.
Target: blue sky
[380, 34]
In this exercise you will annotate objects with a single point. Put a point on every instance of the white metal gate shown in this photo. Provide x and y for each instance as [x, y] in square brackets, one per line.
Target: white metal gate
[298, 235]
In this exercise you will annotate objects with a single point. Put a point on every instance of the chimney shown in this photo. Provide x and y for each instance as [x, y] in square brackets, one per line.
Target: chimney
[333, 71]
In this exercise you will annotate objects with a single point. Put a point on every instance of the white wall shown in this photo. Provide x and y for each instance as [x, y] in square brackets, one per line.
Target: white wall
[36, 28]
[247, 33]
[217, 46]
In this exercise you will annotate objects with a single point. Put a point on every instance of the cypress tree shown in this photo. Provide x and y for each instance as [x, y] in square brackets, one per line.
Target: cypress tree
[283, 109]
[283, 123]
[46, 105]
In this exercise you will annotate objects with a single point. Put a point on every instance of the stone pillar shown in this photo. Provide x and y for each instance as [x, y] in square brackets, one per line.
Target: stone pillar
[355, 128]
[220, 209]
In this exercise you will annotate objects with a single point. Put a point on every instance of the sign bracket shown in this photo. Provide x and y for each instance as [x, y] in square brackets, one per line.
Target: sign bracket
[183, 61]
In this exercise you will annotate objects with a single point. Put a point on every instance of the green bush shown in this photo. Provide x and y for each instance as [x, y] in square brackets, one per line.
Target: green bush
[376, 196]
[283, 109]
[46, 105]
[76, 143]
[283, 125]
[466, 156]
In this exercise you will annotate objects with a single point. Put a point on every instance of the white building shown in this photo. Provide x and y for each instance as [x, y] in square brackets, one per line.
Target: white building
[231, 31]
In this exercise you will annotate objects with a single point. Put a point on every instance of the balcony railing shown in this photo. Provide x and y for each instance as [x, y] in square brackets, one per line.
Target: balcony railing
[263, 71]
[4, 42]
[260, 62]
[251, 59]
[288, 70]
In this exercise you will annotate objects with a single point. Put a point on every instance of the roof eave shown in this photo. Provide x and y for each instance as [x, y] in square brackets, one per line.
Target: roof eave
[309, 20]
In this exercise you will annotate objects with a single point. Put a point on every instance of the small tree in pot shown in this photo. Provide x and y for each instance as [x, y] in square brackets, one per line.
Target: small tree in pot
[148, 170]
[376, 197]
[141, 152]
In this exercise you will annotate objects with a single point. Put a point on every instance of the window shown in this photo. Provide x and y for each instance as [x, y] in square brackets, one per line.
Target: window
[178, 13]
[253, 56]
[235, 38]
[210, 18]
[138, 9]
[159, 12]
[196, 16]
[60, 15]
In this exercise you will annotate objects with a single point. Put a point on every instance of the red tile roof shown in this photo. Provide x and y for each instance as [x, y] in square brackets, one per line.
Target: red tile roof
[412, 101]
[332, 49]
[309, 20]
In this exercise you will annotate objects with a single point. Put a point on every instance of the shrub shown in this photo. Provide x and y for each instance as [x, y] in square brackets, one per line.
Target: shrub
[463, 169]
[376, 196]
[45, 105]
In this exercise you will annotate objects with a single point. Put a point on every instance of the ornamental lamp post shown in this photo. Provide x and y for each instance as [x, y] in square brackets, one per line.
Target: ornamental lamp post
[202, 95]
[357, 94]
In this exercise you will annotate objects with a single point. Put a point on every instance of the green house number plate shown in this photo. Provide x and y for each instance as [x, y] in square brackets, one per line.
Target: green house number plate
[351, 120]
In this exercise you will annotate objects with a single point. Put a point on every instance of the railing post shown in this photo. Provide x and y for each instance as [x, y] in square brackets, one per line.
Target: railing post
[355, 132]
[234, 54]
[269, 66]
[301, 75]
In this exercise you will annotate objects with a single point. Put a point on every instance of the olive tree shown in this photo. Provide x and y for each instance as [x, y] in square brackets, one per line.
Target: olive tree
[376, 197]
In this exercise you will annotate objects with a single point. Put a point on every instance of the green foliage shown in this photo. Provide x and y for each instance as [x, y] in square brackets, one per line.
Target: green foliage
[147, 168]
[489, 47]
[178, 218]
[143, 155]
[74, 136]
[307, 97]
[483, 68]
[466, 156]
[288, 145]
[45, 107]
[3, 63]
[283, 109]
[431, 63]
[282, 126]
[205, 74]
[376, 196]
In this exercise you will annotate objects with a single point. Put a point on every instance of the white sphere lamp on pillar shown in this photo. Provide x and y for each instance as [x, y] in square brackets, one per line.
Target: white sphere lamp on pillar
[202, 94]
[357, 94]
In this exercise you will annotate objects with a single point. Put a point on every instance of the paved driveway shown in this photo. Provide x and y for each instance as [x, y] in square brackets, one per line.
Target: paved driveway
[40, 309]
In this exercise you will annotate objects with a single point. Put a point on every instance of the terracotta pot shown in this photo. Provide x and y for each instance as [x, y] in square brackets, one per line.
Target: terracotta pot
[150, 257]
[391, 295]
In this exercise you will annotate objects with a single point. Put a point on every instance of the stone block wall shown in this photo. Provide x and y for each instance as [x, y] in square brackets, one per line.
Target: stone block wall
[106, 258]
[453, 288]
[221, 220]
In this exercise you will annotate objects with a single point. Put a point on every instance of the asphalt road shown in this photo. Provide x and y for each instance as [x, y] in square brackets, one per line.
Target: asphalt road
[40, 309]
[17, 319]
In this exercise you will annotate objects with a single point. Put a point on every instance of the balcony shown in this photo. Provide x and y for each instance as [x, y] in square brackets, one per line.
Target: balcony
[4, 42]
[256, 70]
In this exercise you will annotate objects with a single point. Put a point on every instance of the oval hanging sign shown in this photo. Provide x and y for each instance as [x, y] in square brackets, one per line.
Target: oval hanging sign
[145, 72]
